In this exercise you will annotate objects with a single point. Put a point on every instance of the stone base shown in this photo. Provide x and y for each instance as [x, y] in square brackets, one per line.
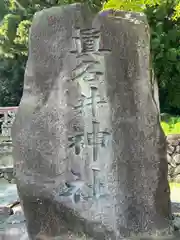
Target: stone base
[51, 218]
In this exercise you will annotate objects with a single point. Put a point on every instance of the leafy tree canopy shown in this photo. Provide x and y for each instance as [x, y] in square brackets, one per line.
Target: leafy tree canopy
[16, 18]
[164, 20]
[141, 5]
[15, 21]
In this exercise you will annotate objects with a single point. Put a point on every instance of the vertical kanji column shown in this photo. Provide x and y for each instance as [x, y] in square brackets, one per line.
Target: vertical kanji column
[89, 74]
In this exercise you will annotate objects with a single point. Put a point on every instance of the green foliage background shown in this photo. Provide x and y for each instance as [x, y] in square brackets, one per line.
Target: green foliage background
[15, 21]
[170, 124]
[164, 20]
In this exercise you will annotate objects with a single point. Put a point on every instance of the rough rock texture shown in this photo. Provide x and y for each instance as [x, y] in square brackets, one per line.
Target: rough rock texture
[7, 115]
[173, 157]
[6, 160]
[89, 152]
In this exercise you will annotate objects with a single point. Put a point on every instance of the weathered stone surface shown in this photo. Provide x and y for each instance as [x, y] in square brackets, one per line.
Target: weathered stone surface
[173, 139]
[170, 170]
[177, 170]
[89, 152]
[178, 149]
[173, 157]
[169, 159]
[6, 161]
[173, 163]
[7, 115]
[170, 149]
[177, 159]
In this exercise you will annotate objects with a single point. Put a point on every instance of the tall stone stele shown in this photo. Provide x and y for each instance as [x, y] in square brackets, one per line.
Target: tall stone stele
[89, 152]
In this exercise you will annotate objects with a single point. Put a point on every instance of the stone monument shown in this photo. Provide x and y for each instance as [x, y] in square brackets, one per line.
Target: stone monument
[89, 152]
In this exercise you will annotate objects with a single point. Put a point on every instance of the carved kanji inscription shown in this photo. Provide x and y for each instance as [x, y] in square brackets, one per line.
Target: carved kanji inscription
[89, 75]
